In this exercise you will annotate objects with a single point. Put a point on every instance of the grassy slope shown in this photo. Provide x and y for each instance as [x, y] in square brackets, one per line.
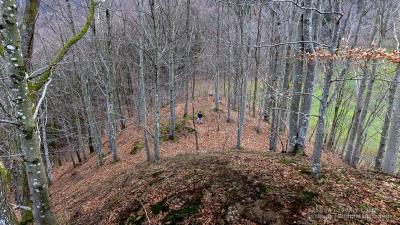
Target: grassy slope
[373, 131]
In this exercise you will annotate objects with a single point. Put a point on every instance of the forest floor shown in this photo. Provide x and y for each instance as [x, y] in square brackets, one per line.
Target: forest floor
[219, 185]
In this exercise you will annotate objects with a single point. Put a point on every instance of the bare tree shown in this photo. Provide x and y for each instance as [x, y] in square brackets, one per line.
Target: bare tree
[25, 93]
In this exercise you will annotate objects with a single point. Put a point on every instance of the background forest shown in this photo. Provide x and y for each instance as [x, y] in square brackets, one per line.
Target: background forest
[310, 77]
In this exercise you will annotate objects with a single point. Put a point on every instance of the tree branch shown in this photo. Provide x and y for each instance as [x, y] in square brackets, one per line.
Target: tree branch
[9, 122]
[46, 74]
[41, 100]
[305, 8]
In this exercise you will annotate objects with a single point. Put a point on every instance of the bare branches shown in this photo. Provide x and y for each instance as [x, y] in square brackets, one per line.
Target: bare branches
[308, 8]
[46, 74]
[8, 122]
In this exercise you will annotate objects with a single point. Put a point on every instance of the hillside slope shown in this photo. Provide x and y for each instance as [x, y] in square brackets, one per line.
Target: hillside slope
[218, 185]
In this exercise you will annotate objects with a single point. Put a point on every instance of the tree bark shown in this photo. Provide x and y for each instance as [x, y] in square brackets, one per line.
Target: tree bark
[24, 100]
[7, 216]
[155, 27]
[392, 152]
[142, 94]
[49, 165]
[320, 130]
[110, 87]
[310, 31]
[297, 85]
[385, 128]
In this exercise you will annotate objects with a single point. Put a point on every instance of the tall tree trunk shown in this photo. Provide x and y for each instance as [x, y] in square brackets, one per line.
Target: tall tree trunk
[257, 60]
[187, 69]
[49, 165]
[217, 73]
[311, 29]
[356, 120]
[155, 27]
[274, 75]
[119, 110]
[356, 153]
[171, 80]
[230, 71]
[297, 85]
[385, 128]
[24, 100]
[381, 23]
[94, 136]
[110, 86]
[244, 71]
[286, 76]
[392, 152]
[320, 130]
[82, 146]
[142, 94]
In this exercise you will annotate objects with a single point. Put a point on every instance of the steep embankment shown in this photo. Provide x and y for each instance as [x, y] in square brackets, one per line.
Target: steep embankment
[220, 186]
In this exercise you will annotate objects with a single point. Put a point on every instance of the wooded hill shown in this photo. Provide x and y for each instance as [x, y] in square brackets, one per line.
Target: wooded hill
[285, 82]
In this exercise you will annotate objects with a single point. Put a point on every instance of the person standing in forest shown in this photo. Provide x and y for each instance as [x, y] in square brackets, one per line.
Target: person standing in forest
[199, 117]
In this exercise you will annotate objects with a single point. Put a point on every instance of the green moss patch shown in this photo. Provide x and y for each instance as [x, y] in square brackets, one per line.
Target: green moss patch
[307, 197]
[189, 208]
[160, 207]
[136, 147]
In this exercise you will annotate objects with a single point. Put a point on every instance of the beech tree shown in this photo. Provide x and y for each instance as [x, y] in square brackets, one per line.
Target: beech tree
[25, 87]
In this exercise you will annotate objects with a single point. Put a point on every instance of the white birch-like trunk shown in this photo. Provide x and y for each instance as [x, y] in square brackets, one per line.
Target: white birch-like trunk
[49, 164]
[30, 146]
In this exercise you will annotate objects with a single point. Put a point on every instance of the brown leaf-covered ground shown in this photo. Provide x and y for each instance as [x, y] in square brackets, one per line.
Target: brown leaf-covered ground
[219, 185]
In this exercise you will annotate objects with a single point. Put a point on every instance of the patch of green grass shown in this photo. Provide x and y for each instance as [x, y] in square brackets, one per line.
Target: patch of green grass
[27, 218]
[287, 160]
[136, 147]
[135, 220]
[180, 125]
[264, 188]
[305, 170]
[362, 206]
[160, 207]
[157, 174]
[188, 209]
[395, 205]
[307, 197]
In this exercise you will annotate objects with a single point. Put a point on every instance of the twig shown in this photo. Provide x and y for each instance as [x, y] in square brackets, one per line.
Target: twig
[145, 211]
[9, 122]
[22, 207]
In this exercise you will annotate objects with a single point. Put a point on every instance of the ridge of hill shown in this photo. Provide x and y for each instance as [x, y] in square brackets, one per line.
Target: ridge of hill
[219, 185]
